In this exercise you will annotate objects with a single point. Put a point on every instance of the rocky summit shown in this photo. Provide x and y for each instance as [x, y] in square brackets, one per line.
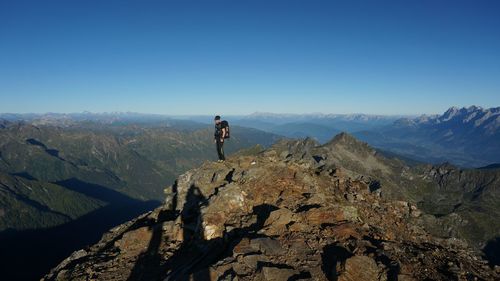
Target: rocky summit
[290, 212]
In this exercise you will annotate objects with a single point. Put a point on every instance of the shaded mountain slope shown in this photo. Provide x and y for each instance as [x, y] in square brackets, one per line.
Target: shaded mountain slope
[464, 203]
[27, 203]
[288, 213]
[43, 248]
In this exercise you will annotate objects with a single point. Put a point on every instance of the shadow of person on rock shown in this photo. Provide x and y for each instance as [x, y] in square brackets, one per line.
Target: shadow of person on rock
[188, 259]
[193, 258]
[492, 251]
[334, 256]
[149, 264]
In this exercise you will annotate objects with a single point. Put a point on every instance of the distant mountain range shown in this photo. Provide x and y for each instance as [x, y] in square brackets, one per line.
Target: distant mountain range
[109, 118]
[322, 127]
[319, 126]
[468, 137]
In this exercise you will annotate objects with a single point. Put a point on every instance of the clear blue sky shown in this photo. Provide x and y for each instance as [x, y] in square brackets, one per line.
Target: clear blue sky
[233, 57]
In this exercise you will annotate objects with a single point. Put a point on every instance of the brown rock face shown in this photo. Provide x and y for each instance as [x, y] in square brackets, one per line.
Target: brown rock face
[360, 268]
[286, 217]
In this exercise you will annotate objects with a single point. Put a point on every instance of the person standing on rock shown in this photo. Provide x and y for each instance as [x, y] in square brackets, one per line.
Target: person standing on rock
[221, 132]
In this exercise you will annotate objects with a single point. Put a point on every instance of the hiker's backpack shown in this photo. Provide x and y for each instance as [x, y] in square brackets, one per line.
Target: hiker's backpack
[225, 124]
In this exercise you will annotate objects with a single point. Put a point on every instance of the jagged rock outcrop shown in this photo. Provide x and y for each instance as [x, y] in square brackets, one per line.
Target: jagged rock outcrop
[287, 213]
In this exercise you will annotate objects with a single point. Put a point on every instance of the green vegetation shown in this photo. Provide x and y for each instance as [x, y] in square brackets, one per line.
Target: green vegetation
[51, 175]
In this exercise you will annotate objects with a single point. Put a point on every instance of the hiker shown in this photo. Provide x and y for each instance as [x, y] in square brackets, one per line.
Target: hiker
[221, 133]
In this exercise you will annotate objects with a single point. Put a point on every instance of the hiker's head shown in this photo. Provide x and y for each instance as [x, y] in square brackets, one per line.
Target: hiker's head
[217, 119]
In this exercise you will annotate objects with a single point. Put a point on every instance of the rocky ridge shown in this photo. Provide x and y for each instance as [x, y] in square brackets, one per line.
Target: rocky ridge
[286, 213]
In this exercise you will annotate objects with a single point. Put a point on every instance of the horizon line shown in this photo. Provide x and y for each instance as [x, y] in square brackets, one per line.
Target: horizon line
[236, 115]
[210, 114]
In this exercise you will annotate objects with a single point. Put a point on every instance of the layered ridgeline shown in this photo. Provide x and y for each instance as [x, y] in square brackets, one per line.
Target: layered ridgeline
[62, 185]
[45, 170]
[299, 210]
[468, 137]
[322, 127]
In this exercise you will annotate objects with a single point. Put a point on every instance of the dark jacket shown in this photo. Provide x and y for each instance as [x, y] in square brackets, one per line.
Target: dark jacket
[218, 131]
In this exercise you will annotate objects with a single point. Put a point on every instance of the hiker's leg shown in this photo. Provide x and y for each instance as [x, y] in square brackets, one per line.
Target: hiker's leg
[222, 151]
[219, 149]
